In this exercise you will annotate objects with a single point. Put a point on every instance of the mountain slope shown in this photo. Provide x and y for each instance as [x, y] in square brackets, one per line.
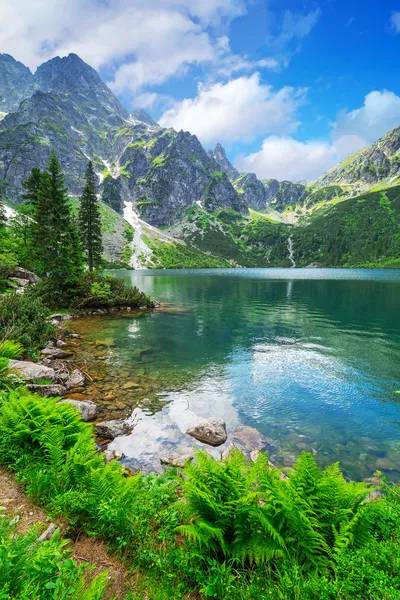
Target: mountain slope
[378, 162]
[16, 83]
[73, 112]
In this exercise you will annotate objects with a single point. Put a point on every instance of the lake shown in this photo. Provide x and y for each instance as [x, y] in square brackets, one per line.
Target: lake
[309, 357]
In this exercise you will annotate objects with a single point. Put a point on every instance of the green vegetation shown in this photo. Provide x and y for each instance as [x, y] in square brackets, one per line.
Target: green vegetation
[360, 231]
[49, 243]
[23, 319]
[228, 530]
[32, 570]
[55, 242]
[179, 256]
[90, 221]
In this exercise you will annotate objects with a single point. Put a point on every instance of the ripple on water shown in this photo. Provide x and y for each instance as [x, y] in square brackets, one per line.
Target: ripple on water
[309, 357]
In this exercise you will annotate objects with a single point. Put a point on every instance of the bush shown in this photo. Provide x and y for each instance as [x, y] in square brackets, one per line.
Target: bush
[95, 291]
[8, 350]
[42, 571]
[247, 512]
[23, 319]
[101, 291]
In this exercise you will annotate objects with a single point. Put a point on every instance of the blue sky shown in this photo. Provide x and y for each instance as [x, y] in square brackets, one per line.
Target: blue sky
[289, 87]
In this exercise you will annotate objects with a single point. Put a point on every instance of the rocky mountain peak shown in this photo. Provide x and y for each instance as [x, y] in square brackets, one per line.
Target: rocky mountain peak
[72, 74]
[219, 155]
[64, 74]
[16, 83]
[142, 116]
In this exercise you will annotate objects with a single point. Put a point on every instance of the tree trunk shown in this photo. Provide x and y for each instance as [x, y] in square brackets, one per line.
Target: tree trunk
[90, 257]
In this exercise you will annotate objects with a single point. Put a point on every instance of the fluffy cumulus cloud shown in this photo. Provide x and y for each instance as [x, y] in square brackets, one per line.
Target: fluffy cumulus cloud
[379, 113]
[151, 39]
[239, 110]
[284, 157]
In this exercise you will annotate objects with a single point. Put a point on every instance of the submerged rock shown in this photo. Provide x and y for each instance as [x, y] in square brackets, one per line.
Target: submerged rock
[108, 343]
[31, 371]
[52, 390]
[110, 455]
[175, 459]
[87, 408]
[248, 439]
[212, 432]
[112, 429]
[130, 385]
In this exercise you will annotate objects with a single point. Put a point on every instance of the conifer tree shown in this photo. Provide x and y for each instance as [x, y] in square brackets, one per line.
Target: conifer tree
[90, 221]
[54, 239]
[31, 186]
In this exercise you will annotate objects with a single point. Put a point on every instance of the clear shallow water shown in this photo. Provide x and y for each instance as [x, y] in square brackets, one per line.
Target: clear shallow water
[310, 357]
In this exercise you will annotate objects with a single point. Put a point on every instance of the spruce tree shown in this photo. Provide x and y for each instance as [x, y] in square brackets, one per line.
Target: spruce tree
[90, 221]
[54, 239]
[31, 186]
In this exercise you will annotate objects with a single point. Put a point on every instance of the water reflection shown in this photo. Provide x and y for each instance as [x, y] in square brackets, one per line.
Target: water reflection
[311, 361]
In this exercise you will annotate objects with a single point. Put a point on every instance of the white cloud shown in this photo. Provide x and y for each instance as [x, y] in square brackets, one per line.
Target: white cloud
[379, 113]
[395, 21]
[283, 157]
[154, 39]
[238, 110]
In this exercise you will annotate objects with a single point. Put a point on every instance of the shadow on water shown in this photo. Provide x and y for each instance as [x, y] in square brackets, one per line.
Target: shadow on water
[308, 357]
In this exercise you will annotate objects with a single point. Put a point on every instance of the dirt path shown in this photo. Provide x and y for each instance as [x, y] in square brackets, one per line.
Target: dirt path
[15, 503]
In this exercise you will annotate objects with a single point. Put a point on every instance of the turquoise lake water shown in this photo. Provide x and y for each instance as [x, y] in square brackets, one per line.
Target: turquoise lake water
[310, 357]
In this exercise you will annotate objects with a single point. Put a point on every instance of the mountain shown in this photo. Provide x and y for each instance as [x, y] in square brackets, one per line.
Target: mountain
[219, 155]
[260, 195]
[16, 83]
[161, 171]
[162, 178]
[378, 162]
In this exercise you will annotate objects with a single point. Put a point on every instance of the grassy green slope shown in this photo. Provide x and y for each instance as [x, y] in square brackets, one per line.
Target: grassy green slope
[362, 231]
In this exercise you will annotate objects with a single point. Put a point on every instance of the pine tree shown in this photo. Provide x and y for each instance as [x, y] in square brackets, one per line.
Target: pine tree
[32, 185]
[55, 243]
[90, 221]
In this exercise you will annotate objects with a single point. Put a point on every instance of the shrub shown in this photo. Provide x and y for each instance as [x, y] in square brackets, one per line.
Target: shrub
[8, 350]
[247, 512]
[107, 290]
[23, 319]
[42, 571]
[94, 291]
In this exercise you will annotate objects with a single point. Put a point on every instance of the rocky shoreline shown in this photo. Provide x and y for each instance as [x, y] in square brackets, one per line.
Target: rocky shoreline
[56, 375]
